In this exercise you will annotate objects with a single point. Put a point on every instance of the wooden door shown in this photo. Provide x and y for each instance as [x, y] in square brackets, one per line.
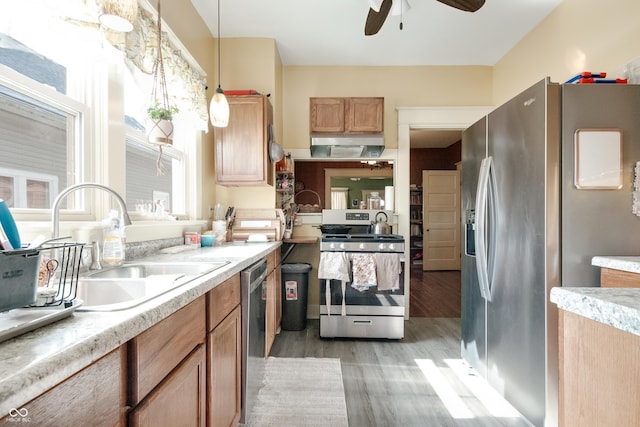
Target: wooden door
[441, 220]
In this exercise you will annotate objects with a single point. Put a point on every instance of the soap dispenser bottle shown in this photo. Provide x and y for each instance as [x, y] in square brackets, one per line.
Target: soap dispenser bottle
[113, 250]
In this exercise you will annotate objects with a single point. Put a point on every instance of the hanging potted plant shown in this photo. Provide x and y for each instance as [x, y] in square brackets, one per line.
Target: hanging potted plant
[160, 112]
[161, 126]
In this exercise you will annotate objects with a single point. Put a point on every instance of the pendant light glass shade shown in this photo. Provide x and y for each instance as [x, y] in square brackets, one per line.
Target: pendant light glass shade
[219, 109]
[118, 15]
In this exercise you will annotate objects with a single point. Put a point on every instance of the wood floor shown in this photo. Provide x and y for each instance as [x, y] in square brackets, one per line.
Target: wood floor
[434, 293]
[417, 381]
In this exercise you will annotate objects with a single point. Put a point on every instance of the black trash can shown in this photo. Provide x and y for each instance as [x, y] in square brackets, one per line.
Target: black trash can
[295, 288]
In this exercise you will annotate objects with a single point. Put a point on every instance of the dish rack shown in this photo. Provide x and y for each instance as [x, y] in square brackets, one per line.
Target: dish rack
[309, 208]
[59, 270]
[40, 277]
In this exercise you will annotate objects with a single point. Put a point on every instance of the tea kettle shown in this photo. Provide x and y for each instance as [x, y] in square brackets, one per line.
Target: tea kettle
[380, 226]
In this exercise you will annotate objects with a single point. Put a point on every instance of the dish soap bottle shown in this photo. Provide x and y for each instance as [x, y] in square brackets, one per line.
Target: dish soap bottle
[113, 249]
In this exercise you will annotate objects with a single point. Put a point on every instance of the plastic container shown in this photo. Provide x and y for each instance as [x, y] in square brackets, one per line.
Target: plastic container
[113, 247]
[207, 239]
[19, 272]
[295, 290]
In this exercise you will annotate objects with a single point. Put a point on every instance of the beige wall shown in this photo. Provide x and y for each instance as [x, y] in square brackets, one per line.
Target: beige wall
[252, 63]
[189, 27]
[579, 35]
[400, 86]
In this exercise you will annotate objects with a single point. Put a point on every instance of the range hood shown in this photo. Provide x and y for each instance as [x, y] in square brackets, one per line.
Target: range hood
[347, 146]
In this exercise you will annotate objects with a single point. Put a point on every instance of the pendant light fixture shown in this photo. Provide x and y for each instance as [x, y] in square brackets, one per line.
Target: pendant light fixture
[118, 15]
[219, 108]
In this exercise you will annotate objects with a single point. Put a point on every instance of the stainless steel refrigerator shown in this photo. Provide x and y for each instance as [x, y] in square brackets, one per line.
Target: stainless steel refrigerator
[527, 227]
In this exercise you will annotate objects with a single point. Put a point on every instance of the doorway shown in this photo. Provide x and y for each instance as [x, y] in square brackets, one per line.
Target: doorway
[435, 273]
[431, 293]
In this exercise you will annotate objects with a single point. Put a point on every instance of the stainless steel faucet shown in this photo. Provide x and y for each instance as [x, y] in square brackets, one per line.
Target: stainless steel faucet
[55, 209]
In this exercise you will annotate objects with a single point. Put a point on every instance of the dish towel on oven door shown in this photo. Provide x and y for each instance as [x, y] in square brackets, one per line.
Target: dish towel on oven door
[334, 266]
[364, 272]
[388, 269]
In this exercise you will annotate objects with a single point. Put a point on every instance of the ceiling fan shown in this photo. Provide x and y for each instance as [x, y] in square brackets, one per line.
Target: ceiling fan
[380, 9]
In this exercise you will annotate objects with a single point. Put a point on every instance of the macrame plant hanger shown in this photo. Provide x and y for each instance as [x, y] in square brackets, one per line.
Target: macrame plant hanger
[161, 131]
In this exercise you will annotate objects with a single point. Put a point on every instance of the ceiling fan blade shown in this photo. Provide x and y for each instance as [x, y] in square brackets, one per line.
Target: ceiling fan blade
[376, 19]
[466, 5]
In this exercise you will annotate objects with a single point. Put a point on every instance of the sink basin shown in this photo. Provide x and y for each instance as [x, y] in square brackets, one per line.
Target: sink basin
[132, 284]
[147, 269]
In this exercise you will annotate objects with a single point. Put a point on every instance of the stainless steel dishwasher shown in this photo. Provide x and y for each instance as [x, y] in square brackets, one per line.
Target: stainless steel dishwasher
[253, 293]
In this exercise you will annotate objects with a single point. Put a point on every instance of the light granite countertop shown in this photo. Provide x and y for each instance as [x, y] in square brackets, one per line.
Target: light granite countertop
[617, 307]
[624, 263]
[36, 361]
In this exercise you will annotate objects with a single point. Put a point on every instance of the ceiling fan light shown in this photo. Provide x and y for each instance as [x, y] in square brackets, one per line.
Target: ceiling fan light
[219, 109]
[375, 5]
[118, 15]
[399, 6]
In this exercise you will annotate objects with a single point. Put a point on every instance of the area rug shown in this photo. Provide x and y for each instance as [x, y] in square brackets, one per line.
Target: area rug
[300, 392]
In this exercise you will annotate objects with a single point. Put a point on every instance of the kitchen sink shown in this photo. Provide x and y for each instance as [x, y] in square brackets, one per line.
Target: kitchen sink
[132, 284]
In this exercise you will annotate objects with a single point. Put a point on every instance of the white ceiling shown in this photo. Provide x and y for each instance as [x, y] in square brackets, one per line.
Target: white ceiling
[331, 32]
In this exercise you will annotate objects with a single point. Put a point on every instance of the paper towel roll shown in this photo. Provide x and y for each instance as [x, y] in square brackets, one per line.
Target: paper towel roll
[388, 197]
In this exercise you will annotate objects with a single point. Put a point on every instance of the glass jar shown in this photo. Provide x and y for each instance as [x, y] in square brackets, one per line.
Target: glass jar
[374, 200]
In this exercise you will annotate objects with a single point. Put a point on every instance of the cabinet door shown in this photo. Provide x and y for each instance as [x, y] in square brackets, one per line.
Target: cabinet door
[326, 115]
[364, 115]
[278, 286]
[93, 397]
[242, 156]
[270, 320]
[225, 357]
[180, 400]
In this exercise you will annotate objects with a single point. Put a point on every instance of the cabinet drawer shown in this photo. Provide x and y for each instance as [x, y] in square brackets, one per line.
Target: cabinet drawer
[158, 350]
[223, 299]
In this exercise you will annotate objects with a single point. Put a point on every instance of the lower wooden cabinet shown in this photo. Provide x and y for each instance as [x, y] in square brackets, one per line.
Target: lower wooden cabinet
[94, 396]
[599, 374]
[157, 351]
[180, 399]
[167, 370]
[225, 358]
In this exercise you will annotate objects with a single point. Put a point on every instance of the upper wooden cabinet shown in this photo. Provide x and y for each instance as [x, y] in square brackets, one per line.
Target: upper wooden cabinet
[242, 148]
[346, 115]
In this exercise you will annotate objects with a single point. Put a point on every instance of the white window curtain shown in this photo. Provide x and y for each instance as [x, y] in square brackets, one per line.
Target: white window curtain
[339, 197]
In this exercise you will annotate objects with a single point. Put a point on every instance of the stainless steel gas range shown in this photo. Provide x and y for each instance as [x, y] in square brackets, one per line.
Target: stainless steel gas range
[361, 278]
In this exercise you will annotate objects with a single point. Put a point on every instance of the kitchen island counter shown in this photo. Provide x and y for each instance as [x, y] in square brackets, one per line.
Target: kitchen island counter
[35, 362]
[616, 307]
[623, 263]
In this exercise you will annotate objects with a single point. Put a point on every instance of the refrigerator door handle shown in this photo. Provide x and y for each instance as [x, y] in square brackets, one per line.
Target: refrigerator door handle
[482, 199]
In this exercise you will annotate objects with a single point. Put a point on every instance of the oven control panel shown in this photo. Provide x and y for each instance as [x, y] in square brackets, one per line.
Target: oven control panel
[362, 247]
[357, 216]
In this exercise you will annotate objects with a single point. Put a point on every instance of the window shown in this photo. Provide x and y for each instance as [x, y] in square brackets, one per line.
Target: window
[41, 139]
[67, 118]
